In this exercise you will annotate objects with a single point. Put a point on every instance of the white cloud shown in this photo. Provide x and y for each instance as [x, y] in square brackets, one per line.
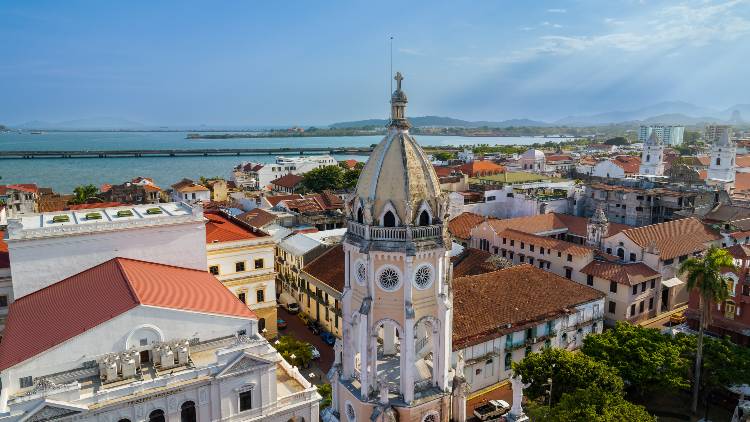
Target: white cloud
[411, 51]
[557, 10]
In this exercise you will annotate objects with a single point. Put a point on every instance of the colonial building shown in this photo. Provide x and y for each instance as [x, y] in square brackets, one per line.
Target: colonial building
[394, 360]
[154, 342]
[140, 190]
[189, 191]
[48, 247]
[6, 286]
[242, 259]
[20, 199]
[618, 167]
[533, 160]
[259, 175]
[652, 157]
[721, 169]
[321, 284]
[288, 183]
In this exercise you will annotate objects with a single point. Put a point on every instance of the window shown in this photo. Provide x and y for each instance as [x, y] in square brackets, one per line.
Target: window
[568, 273]
[239, 266]
[3, 301]
[424, 218]
[261, 324]
[653, 283]
[632, 257]
[242, 297]
[669, 261]
[531, 260]
[650, 303]
[613, 287]
[187, 412]
[259, 263]
[609, 251]
[683, 258]
[505, 240]
[260, 296]
[156, 416]
[25, 382]
[643, 287]
[640, 307]
[490, 198]
[632, 309]
[559, 254]
[522, 244]
[214, 269]
[612, 307]
[512, 242]
[635, 289]
[508, 361]
[746, 290]
[570, 257]
[423, 277]
[729, 308]
[531, 248]
[389, 220]
[389, 279]
[246, 400]
[590, 280]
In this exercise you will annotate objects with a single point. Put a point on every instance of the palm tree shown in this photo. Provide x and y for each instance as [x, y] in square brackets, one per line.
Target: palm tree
[704, 275]
[83, 193]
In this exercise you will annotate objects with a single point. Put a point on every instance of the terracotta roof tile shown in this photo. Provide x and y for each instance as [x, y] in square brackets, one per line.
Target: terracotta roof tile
[481, 167]
[4, 257]
[460, 226]
[629, 164]
[739, 251]
[628, 274]
[741, 182]
[274, 200]
[257, 217]
[329, 268]
[192, 188]
[289, 181]
[471, 262]
[221, 229]
[61, 311]
[350, 164]
[674, 238]
[23, 187]
[481, 314]
[547, 242]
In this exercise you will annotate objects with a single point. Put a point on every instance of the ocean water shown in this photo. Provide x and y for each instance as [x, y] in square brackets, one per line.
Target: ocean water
[63, 174]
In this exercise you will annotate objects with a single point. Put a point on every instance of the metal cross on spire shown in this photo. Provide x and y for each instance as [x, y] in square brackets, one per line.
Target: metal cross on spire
[398, 79]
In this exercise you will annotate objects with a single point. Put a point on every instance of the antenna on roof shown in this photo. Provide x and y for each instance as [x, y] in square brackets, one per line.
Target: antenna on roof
[390, 72]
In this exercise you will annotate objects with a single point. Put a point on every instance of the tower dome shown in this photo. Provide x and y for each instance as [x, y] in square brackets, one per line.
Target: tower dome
[398, 177]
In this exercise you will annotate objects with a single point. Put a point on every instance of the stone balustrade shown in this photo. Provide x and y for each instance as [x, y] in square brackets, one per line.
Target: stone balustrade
[395, 233]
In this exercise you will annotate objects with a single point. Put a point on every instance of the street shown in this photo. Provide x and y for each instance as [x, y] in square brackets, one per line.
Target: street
[300, 331]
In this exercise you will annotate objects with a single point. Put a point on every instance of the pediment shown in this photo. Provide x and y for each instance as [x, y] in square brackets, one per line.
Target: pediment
[243, 363]
[51, 411]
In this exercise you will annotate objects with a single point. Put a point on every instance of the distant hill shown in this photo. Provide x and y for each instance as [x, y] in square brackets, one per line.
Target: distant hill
[647, 114]
[88, 123]
[437, 121]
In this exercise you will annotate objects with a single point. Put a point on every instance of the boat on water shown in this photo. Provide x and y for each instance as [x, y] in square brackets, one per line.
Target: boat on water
[36, 132]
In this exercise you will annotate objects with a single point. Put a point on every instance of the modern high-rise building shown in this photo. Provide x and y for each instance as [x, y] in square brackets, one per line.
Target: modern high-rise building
[669, 135]
[713, 133]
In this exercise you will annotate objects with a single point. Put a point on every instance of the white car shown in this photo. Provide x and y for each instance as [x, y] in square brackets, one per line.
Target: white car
[315, 352]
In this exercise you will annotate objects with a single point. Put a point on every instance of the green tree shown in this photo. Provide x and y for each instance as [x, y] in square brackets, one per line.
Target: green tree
[444, 155]
[569, 372]
[349, 178]
[296, 352]
[326, 392]
[591, 405]
[704, 275]
[323, 178]
[617, 140]
[690, 137]
[646, 360]
[83, 193]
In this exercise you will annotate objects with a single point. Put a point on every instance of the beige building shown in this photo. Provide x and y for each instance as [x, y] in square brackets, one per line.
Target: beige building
[242, 259]
[322, 282]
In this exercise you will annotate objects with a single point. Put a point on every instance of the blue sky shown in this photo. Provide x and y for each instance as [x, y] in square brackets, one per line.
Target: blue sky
[317, 62]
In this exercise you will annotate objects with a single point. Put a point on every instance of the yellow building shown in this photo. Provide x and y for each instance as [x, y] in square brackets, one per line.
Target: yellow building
[242, 259]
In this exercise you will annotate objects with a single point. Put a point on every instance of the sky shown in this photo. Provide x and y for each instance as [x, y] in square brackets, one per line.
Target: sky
[319, 62]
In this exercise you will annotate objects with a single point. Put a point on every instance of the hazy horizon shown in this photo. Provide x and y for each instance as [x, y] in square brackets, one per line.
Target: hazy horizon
[190, 63]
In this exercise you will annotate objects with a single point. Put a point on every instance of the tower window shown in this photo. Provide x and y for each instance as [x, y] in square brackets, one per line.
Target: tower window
[389, 220]
[360, 216]
[424, 218]
[718, 161]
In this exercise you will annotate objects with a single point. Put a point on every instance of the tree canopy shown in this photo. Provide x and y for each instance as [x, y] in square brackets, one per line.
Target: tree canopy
[289, 346]
[592, 405]
[330, 178]
[617, 140]
[83, 193]
[646, 360]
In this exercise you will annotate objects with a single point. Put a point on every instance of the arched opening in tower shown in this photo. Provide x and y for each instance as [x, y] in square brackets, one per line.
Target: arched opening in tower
[425, 350]
[360, 216]
[424, 218]
[389, 220]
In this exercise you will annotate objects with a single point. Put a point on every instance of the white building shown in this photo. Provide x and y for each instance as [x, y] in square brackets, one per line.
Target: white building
[6, 286]
[188, 191]
[713, 133]
[260, 175]
[48, 247]
[722, 165]
[153, 343]
[518, 200]
[20, 199]
[618, 167]
[652, 156]
[667, 134]
[533, 160]
[466, 155]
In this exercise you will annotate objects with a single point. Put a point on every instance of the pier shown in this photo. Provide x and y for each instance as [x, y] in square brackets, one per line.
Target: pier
[182, 152]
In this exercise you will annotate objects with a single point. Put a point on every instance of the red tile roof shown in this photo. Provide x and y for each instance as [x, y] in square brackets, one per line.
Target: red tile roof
[674, 238]
[61, 311]
[329, 268]
[4, 257]
[289, 181]
[741, 182]
[559, 157]
[628, 163]
[257, 217]
[472, 262]
[480, 314]
[443, 171]
[547, 242]
[23, 187]
[628, 274]
[274, 200]
[481, 168]
[460, 226]
[543, 223]
[221, 229]
[350, 164]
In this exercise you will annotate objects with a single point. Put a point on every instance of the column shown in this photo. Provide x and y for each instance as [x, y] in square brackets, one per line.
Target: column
[407, 363]
[363, 347]
[389, 340]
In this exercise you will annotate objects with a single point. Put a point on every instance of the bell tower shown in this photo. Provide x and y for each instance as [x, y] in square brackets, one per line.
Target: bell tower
[652, 157]
[395, 354]
[722, 166]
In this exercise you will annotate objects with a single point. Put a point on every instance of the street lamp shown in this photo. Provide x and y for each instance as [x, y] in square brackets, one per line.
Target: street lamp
[549, 382]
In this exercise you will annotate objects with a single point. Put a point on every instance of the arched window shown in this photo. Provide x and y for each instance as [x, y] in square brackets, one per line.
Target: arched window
[261, 324]
[621, 253]
[389, 220]
[156, 416]
[718, 161]
[424, 218]
[360, 216]
[648, 157]
[187, 412]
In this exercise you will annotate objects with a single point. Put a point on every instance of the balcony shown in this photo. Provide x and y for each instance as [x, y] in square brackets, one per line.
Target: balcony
[434, 231]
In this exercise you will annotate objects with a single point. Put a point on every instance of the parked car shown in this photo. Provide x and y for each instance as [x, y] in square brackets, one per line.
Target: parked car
[491, 410]
[677, 318]
[281, 324]
[287, 302]
[315, 352]
[328, 338]
[314, 327]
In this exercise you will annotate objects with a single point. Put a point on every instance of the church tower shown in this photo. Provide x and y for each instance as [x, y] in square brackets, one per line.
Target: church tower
[394, 362]
[652, 157]
[723, 152]
[597, 228]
